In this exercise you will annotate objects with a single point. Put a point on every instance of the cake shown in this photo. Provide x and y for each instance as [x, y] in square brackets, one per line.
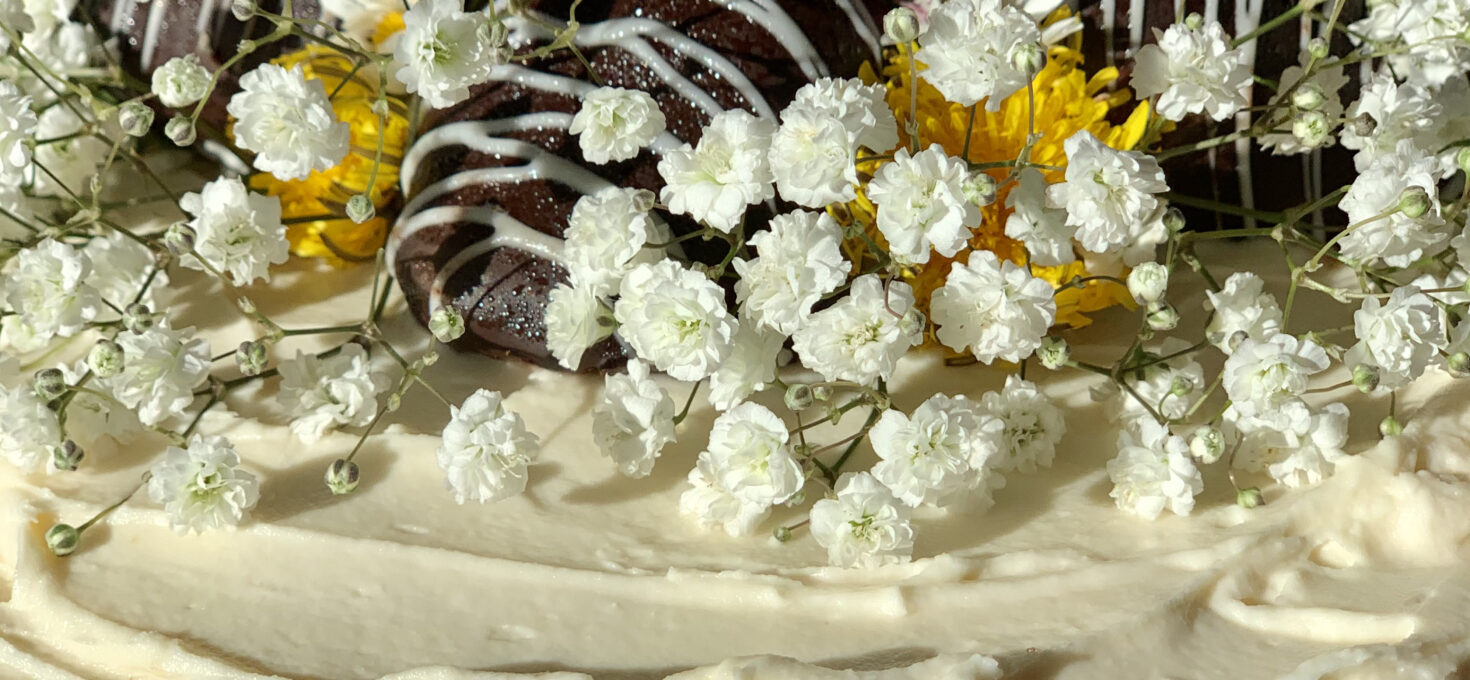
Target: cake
[269, 468]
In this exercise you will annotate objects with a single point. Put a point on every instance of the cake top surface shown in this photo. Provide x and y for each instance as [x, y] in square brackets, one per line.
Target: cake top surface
[734, 338]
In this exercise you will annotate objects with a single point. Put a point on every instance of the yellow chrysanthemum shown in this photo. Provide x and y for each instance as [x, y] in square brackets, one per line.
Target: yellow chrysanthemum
[1066, 101]
[324, 194]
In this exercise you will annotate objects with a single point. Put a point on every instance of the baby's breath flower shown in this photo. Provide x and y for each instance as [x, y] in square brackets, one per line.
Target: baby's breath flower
[729, 170]
[1262, 375]
[202, 487]
[181, 81]
[799, 261]
[1111, 198]
[326, 393]
[236, 232]
[921, 205]
[576, 319]
[749, 457]
[614, 124]
[634, 420]
[446, 324]
[675, 319]
[1033, 426]
[163, 367]
[862, 336]
[31, 429]
[1044, 230]
[17, 130]
[1404, 179]
[443, 51]
[606, 235]
[1304, 451]
[45, 287]
[1242, 309]
[1148, 282]
[485, 449]
[1400, 336]
[1153, 471]
[994, 308]
[288, 122]
[864, 525]
[750, 367]
[712, 505]
[938, 453]
[1193, 69]
[969, 46]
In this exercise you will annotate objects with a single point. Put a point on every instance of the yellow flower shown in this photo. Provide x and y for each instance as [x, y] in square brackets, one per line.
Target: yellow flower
[324, 194]
[1066, 101]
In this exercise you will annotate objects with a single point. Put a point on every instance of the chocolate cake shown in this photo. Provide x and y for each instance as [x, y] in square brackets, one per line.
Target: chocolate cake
[492, 181]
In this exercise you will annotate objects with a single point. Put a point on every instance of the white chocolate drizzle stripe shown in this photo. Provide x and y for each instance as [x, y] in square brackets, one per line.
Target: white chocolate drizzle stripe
[628, 34]
[775, 20]
[509, 232]
[866, 28]
[156, 12]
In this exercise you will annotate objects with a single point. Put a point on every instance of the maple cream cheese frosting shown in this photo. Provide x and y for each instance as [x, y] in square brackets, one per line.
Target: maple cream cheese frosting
[590, 573]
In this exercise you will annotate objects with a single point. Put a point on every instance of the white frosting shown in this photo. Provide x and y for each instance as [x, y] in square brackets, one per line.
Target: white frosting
[597, 575]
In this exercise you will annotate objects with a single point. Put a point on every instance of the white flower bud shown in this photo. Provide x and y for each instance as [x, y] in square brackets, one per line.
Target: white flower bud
[1174, 220]
[979, 188]
[181, 130]
[1207, 444]
[137, 318]
[781, 534]
[1459, 364]
[446, 324]
[1390, 427]
[799, 397]
[105, 358]
[429, 358]
[242, 9]
[1317, 47]
[1364, 125]
[1148, 282]
[1162, 316]
[1028, 57]
[251, 357]
[360, 208]
[342, 477]
[66, 457]
[1181, 386]
[1366, 378]
[901, 25]
[1194, 21]
[642, 200]
[1414, 202]
[1311, 128]
[1249, 498]
[1308, 97]
[179, 238]
[822, 392]
[1054, 352]
[50, 383]
[62, 539]
[135, 118]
